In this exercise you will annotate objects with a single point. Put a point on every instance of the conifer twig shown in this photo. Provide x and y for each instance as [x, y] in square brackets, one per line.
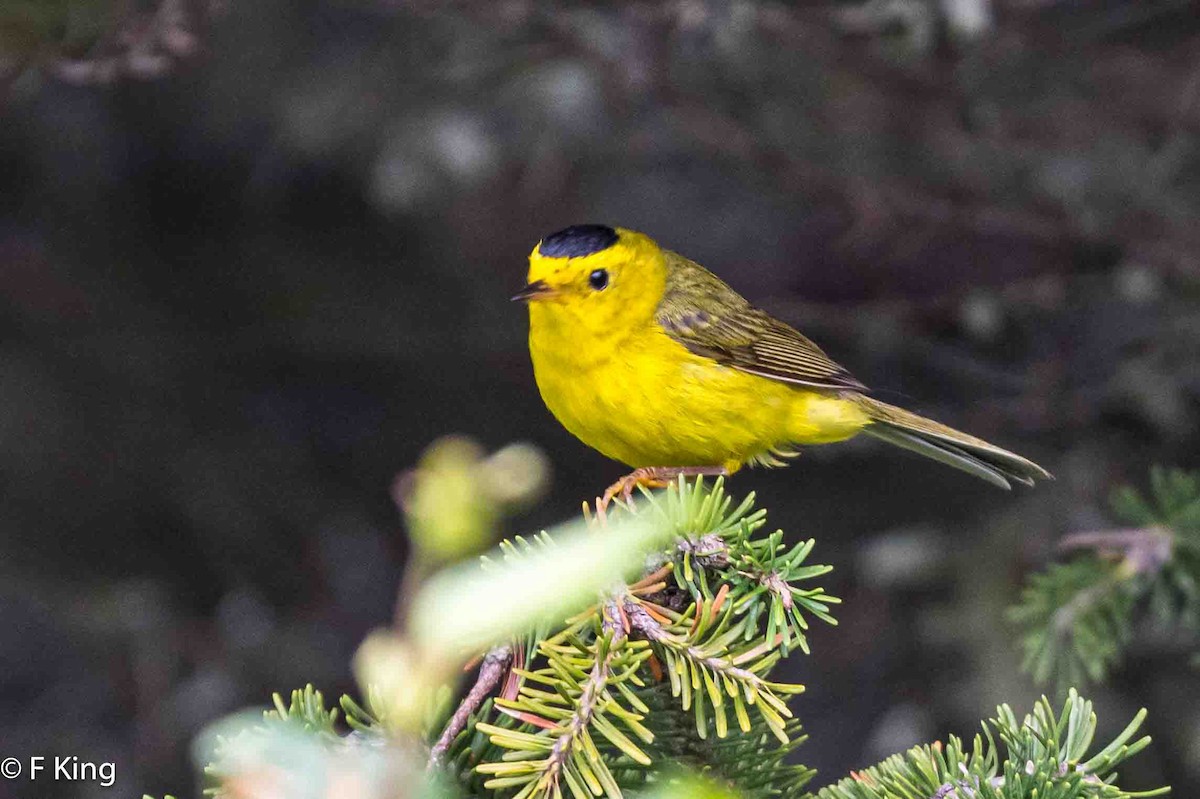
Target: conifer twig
[710, 551]
[590, 723]
[644, 623]
[493, 668]
[1146, 549]
[614, 624]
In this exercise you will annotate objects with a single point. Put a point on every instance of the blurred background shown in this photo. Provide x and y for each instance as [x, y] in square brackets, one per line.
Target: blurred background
[255, 256]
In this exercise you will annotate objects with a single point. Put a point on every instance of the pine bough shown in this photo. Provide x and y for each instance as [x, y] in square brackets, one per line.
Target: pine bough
[663, 688]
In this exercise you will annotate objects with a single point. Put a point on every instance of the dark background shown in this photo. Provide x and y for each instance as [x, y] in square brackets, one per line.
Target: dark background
[236, 299]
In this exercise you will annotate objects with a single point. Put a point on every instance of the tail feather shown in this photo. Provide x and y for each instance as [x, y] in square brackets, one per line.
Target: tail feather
[951, 447]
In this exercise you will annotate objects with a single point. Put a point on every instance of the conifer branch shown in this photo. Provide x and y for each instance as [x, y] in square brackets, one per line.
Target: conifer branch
[644, 623]
[619, 689]
[703, 671]
[1044, 754]
[1077, 617]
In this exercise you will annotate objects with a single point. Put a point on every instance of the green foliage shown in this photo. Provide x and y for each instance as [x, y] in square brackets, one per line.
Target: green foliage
[711, 667]
[1172, 511]
[302, 738]
[1078, 617]
[587, 697]
[1045, 755]
[715, 541]
[582, 712]
[306, 709]
[752, 761]
[658, 685]
[680, 784]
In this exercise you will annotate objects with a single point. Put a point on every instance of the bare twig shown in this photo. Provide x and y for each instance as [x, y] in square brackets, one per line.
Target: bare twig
[491, 671]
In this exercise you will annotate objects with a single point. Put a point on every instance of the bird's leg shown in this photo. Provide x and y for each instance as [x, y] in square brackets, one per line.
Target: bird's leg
[651, 477]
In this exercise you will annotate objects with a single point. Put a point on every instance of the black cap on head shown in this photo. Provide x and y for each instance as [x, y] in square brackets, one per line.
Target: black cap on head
[577, 241]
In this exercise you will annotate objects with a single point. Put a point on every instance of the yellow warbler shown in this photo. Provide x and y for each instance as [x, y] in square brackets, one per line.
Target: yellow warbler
[654, 361]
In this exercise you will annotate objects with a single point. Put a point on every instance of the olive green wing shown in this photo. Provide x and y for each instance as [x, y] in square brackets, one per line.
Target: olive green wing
[701, 312]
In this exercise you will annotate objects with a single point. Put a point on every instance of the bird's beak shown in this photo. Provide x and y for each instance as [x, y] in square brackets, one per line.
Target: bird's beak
[537, 290]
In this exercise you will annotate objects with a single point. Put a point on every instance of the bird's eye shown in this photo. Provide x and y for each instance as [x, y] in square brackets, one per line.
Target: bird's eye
[598, 279]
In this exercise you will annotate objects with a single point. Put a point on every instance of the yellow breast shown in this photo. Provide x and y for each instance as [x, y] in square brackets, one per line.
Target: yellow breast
[644, 399]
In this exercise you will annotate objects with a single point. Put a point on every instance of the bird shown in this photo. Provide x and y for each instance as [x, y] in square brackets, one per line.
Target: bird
[654, 361]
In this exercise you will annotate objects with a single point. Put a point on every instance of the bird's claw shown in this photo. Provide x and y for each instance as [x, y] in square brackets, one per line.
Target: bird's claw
[646, 477]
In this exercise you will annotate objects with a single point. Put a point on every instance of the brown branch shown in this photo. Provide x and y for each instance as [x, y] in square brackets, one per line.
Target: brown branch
[494, 667]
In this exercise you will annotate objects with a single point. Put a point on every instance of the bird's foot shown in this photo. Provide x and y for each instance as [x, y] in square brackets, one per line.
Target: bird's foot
[650, 477]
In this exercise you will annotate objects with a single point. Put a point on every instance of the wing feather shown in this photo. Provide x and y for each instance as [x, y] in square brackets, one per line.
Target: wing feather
[704, 314]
